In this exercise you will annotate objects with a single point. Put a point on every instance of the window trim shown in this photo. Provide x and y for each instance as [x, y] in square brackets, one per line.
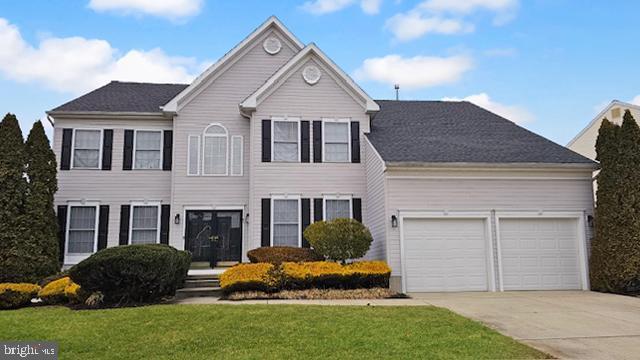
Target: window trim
[135, 204]
[241, 155]
[135, 136]
[271, 223]
[197, 172]
[226, 140]
[324, 139]
[70, 205]
[73, 149]
[336, 197]
[273, 140]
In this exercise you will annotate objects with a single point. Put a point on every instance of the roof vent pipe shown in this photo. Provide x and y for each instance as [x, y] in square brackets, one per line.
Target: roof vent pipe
[397, 87]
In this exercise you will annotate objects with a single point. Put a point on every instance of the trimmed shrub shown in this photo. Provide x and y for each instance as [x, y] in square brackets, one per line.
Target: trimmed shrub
[323, 275]
[339, 239]
[13, 296]
[60, 291]
[185, 264]
[132, 273]
[278, 254]
[250, 277]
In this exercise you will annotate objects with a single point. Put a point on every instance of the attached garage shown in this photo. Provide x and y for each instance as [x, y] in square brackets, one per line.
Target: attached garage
[447, 254]
[541, 253]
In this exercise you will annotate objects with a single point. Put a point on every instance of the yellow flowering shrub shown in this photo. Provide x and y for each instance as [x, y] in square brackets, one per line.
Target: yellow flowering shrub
[71, 291]
[245, 277]
[324, 274]
[369, 267]
[14, 295]
[58, 291]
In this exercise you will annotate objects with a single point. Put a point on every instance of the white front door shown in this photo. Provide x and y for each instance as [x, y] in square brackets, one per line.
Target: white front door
[445, 254]
[539, 253]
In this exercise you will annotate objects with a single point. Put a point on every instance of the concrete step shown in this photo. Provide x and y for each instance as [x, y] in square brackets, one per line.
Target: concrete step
[198, 292]
[196, 283]
[203, 277]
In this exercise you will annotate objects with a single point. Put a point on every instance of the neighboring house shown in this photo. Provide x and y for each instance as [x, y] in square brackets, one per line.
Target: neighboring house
[275, 136]
[585, 142]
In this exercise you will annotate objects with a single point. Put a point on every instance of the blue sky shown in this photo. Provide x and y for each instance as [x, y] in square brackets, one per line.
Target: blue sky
[549, 65]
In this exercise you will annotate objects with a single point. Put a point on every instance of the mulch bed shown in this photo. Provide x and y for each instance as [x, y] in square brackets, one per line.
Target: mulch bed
[316, 294]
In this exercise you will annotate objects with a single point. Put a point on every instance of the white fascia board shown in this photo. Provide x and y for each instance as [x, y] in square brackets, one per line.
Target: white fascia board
[172, 105]
[250, 103]
[601, 115]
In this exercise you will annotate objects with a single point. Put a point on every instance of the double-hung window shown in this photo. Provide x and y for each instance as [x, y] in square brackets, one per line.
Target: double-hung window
[145, 224]
[86, 149]
[286, 222]
[337, 207]
[215, 150]
[336, 140]
[286, 140]
[82, 229]
[148, 149]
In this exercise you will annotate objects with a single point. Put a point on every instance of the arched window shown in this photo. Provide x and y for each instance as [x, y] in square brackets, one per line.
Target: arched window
[215, 150]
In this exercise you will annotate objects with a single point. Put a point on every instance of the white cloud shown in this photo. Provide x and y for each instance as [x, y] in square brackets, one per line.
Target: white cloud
[515, 113]
[636, 100]
[321, 7]
[76, 64]
[447, 17]
[414, 24]
[171, 9]
[414, 72]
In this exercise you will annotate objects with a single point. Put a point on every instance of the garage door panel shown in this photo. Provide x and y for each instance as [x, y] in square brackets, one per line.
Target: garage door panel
[539, 253]
[445, 254]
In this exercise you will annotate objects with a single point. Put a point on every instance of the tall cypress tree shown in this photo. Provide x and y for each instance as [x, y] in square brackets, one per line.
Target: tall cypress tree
[39, 211]
[13, 185]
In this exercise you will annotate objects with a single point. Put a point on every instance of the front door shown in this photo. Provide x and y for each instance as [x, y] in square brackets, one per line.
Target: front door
[214, 236]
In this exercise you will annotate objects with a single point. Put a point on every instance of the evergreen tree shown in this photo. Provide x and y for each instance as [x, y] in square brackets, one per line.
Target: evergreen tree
[39, 211]
[615, 251]
[13, 185]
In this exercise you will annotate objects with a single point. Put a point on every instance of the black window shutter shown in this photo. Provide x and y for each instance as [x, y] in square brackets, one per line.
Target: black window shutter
[107, 148]
[127, 157]
[357, 209]
[62, 230]
[266, 140]
[317, 210]
[266, 222]
[304, 141]
[165, 213]
[306, 219]
[124, 224]
[103, 227]
[317, 141]
[65, 155]
[167, 149]
[355, 142]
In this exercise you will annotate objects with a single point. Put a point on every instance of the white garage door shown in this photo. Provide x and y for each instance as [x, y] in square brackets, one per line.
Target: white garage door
[445, 254]
[539, 254]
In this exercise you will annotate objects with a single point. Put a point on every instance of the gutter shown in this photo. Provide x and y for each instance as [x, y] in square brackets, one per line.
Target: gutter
[412, 165]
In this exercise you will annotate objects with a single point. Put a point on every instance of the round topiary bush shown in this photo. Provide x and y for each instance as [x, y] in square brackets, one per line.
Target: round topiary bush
[339, 239]
[278, 254]
[132, 273]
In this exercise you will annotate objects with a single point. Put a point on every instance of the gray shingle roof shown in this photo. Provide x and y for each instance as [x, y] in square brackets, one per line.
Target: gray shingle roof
[458, 132]
[119, 96]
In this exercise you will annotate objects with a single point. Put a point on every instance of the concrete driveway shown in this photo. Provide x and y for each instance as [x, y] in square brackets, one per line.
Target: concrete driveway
[565, 324]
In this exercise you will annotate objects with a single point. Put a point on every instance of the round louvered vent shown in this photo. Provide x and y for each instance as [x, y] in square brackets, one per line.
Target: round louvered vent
[311, 74]
[272, 45]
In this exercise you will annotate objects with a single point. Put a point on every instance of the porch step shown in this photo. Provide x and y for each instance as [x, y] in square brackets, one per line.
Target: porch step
[202, 282]
[190, 292]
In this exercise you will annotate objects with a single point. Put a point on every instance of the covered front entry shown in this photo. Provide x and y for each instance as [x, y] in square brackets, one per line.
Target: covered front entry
[214, 236]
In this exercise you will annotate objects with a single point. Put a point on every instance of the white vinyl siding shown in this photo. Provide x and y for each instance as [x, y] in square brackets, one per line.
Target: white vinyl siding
[193, 154]
[147, 149]
[286, 222]
[87, 145]
[336, 140]
[286, 140]
[237, 155]
[337, 208]
[82, 229]
[145, 224]
[215, 151]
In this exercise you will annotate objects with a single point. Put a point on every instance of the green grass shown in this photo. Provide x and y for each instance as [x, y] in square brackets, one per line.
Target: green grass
[261, 332]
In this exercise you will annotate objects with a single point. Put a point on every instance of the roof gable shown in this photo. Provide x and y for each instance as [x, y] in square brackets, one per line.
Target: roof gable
[202, 79]
[310, 51]
[597, 118]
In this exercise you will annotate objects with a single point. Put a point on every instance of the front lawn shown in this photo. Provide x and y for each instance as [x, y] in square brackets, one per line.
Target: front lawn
[261, 331]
